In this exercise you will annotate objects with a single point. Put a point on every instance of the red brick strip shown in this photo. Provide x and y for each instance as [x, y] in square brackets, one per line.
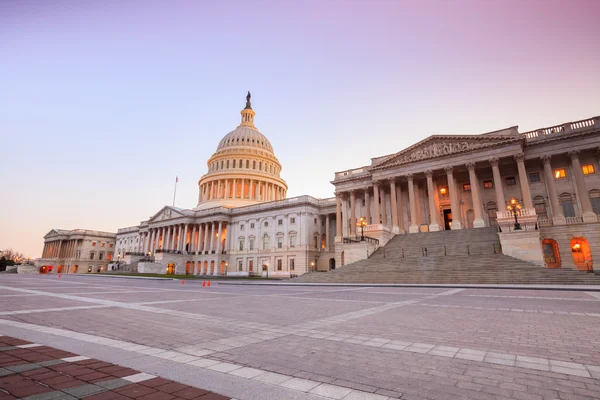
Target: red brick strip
[86, 374]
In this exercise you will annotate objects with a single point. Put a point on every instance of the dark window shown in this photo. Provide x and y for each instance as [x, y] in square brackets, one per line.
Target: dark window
[467, 187]
[510, 181]
[488, 184]
[534, 177]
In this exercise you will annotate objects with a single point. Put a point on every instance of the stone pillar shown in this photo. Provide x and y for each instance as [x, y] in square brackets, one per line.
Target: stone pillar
[500, 201]
[242, 195]
[477, 206]
[338, 218]
[352, 214]
[377, 216]
[400, 209]
[383, 206]
[256, 190]
[394, 206]
[433, 210]
[523, 181]
[413, 228]
[151, 242]
[454, 200]
[327, 232]
[220, 237]
[558, 217]
[587, 211]
[206, 235]
[193, 239]
[367, 205]
[185, 232]
[212, 238]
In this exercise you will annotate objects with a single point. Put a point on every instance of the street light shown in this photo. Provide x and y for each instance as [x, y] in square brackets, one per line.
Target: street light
[362, 222]
[312, 265]
[514, 207]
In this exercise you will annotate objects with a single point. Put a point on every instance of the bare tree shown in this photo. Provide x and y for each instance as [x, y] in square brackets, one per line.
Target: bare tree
[13, 255]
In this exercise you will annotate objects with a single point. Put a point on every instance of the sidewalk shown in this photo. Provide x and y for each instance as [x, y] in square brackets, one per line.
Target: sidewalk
[35, 372]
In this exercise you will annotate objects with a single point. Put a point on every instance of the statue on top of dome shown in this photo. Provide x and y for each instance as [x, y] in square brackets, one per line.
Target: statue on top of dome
[248, 105]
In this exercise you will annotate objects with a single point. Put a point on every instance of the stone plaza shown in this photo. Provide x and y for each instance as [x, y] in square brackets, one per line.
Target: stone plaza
[257, 341]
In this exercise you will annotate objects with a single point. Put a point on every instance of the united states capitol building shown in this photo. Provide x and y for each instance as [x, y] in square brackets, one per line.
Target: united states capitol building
[243, 224]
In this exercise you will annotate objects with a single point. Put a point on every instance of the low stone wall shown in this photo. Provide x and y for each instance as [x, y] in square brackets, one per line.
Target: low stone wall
[353, 252]
[525, 245]
[27, 269]
[150, 268]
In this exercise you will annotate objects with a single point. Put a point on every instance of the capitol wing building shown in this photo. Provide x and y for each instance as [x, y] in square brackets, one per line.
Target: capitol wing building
[244, 225]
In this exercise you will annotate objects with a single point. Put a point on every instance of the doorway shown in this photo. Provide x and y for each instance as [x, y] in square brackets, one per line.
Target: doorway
[331, 264]
[447, 219]
[170, 269]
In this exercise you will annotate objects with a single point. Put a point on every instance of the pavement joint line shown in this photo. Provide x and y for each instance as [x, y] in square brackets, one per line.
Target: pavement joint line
[27, 346]
[43, 310]
[75, 358]
[519, 310]
[140, 377]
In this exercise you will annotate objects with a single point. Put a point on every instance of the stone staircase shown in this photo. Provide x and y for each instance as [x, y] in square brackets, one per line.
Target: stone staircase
[469, 256]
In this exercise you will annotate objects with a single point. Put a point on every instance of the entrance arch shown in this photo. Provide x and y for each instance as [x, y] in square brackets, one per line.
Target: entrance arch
[582, 255]
[331, 263]
[189, 268]
[74, 269]
[551, 254]
[223, 268]
[205, 270]
[59, 270]
[44, 269]
[212, 267]
[170, 268]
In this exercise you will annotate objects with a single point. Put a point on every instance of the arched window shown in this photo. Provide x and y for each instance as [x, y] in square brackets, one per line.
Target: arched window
[265, 242]
[221, 164]
[260, 165]
[92, 255]
[551, 254]
[247, 164]
[233, 163]
[227, 163]
[254, 164]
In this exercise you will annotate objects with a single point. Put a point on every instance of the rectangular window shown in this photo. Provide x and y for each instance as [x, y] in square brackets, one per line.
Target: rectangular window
[102, 244]
[279, 222]
[534, 177]
[111, 245]
[251, 266]
[588, 169]
[316, 242]
[251, 244]
[109, 256]
[279, 265]
[241, 244]
[488, 184]
[240, 265]
[292, 220]
[266, 242]
[467, 187]
[292, 264]
[540, 209]
[510, 181]
[241, 227]
[568, 210]
[252, 225]
[293, 241]
[560, 173]
[100, 256]
[596, 204]
[279, 242]
[93, 243]
[92, 255]
[315, 221]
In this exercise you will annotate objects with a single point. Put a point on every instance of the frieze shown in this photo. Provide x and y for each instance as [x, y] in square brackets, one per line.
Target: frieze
[439, 147]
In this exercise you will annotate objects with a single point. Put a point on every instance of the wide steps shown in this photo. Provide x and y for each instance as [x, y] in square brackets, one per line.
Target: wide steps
[470, 256]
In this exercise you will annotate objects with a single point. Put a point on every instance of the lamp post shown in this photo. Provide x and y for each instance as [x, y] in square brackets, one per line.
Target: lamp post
[514, 207]
[312, 266]
[362, 222]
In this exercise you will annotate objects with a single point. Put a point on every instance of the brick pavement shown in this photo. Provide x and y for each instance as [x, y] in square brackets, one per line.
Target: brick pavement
[351, 343]
[31, 371]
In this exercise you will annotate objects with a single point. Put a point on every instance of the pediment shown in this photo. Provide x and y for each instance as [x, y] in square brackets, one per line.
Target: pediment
[167, 212]
[441, 146]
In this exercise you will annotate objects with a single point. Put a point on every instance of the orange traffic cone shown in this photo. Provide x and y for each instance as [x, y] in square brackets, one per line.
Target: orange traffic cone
[203, 283]
[59, 275]
[182, 281]
[208, 284]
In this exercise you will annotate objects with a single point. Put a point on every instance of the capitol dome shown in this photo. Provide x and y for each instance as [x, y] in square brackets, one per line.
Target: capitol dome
[243, 170]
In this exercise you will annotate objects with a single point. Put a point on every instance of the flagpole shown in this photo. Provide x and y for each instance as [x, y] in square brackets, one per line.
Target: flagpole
[175, 191]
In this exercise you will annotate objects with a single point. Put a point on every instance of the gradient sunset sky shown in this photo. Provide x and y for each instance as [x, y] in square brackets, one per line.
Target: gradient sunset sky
[103, 103]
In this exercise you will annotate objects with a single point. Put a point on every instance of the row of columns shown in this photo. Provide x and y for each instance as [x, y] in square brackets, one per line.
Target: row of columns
[60, 249]
[196, 237]
[396, 198]
[241, 189]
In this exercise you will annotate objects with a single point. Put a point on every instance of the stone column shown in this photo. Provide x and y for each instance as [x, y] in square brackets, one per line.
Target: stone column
[454, 202]
[433, 211]
[150, 244]
[185, 232]
[59, 249]
[523, 181]
[413, 228]
[206, 235]
[367, 205]
[383, 207]
[477, 206]
[220, 237]
[243, 189]
[400, 208]
[352, 213]
[587, 211]
[377, 216]
[394, 206]
[256, 190]
[338, 218]
[212, 238]
[558, 217]
[327, 232]
[500, 201]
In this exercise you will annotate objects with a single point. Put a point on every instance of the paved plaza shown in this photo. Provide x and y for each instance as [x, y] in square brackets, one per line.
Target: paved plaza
[315, 342]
